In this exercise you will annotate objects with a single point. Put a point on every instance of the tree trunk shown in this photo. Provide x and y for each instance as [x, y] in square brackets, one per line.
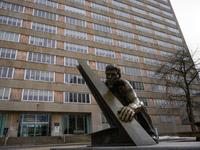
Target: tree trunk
[190, 112]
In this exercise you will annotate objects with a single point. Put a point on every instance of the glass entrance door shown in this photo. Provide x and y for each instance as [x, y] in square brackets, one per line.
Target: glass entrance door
[34, 125]
[76, 124]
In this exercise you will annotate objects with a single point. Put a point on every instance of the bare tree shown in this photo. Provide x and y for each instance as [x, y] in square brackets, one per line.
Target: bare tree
[180, 73]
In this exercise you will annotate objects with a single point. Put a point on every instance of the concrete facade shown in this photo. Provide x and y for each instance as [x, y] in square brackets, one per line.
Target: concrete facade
[166, 119]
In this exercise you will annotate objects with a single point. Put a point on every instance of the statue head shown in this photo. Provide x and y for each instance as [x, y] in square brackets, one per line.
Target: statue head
[112, 73]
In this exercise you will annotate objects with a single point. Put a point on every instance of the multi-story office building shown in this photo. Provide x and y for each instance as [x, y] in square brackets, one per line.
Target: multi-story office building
[41, 91]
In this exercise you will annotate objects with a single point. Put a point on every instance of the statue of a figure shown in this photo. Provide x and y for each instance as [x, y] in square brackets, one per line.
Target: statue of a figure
[133, 107]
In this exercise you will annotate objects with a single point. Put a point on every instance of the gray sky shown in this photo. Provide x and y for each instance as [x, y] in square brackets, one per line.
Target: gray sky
[188, 15]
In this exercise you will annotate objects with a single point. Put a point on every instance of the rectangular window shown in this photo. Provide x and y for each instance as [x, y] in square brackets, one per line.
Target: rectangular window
[147, 49]
[12, 7]
[70, 62]
[8, 53]
[152, 62]
[44, 28]
[140, 19]
[145, 39]
[123, 23]
[5, 93]
[42, 42]
[79, 1]
[137, 85]
[10, 21]
[99, 7]
[103, 40]
[132, 71]
[158, 88]
[126, 45]
[41, 58]
[137, 10]
[76, 48]
[47, 3]
[74, 79]
[101, 66]
[45, 14]
[9, 36]
[75, 34]
[6, 72]
[100, 17]
[75, 10]
[124, 33]
[76, 22]
[72, 97]
[37, 75]
[104, 53]
[153, 74]
[129, 57]
[102, 28]
[121, 13]
[144, 29]
[119, 4]
[37, 95]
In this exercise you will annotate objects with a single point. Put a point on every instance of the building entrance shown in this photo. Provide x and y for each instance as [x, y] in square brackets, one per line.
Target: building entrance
[35, 125]
[76, 123]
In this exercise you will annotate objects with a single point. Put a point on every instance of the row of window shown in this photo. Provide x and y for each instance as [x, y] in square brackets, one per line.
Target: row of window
[53, 16]
[46, 96]
[15, 37]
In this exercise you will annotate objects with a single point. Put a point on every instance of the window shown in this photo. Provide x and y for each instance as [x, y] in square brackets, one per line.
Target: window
[37, 95]
[76, 22]
[167, 118]
[124, 33]
[137, 85]
[145, 39]
[79, 1]
[153, 74]
[47, 3]
[100, 17]
[123, 23]
[100, 7]
[103, 40]
[44, 28]
[165, 44]
[75, 10]
[140, 19]
[147, 49]
[12, 7]
[137, 10]
[76, 48]
[102, 28]
[72, 97]
[121, 13]
[6, 72]
[152, 62]
[5, 93]
[166, 54]
[129, 57]
[126, 45]
[144, 100]
[37, 75]
[101, 66]
[11, 21]
[158, 88]
[132, 71]
[9, 36]
[45, 14]
[76, 34]
[144, 29]
[104, 53]
[74, 79]
[42, 42]
[70, 62]
[119, 4]
[41, 58]
[8, 53]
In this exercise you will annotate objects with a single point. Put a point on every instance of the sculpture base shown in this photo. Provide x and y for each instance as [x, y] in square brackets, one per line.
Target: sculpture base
[111, 137]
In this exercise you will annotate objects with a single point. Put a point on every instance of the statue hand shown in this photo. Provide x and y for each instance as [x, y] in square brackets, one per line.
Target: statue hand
[126, 114]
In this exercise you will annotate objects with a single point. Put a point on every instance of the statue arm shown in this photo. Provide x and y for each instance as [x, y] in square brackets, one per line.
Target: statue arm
[132, 98]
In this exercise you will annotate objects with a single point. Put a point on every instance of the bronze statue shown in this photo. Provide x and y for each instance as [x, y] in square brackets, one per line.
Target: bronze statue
[133, 107]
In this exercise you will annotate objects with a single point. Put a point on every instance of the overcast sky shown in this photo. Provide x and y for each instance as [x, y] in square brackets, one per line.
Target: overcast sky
[188, 15]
